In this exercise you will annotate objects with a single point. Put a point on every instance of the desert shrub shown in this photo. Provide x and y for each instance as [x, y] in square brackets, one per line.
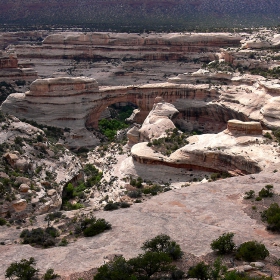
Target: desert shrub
[153, 190]
[136, 182]
[24, 269]
[124, 205]
[20, 82]
[252, 251]
[94, 176]
[215, 176]
[134, 194]
[39, 236]
[2, 222]
[111, 206]
[267, 191]
[224, 244]
[163, 243]
[272, 217]
[50, 274]
[67, 206]
[150, 265]
[92, 226]
[249, 194]
[53, 216]
[199, 271]
[268, 135]
[63, 242]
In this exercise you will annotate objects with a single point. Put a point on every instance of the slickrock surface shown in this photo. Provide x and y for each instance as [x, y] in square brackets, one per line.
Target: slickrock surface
[193, 216]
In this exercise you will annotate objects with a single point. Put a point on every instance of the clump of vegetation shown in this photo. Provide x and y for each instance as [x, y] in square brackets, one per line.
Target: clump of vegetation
[224, 244]
[267, 73]
[77, 191]
[216, 176]
[220, 66]
[38, 236]
[111, 206]
[153, 264]
[204, 272]
[94, 176]
[153, 190]
[136, 182]
[50, 274]
[272, 217]
[252, 251]
[163, 243]
[53, 216]
[134, 194]
[23, 270]
[110, 127]
[167, 145]
[90, 226]
[267, 191]
[2, 222]
[249, 194]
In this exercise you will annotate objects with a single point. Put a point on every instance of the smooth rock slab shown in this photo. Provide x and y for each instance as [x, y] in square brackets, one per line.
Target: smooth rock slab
[192, 216]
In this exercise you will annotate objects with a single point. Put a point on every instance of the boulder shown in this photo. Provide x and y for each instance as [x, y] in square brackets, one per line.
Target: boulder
[24, 188]
[19, 205]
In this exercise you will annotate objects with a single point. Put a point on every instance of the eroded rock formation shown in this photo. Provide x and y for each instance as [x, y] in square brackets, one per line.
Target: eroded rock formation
[100, 45]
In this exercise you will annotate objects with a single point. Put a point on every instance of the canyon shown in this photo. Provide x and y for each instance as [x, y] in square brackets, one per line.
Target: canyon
[229, 118]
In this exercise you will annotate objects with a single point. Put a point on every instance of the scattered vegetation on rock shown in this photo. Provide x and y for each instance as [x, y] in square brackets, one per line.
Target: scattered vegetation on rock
[169, 144]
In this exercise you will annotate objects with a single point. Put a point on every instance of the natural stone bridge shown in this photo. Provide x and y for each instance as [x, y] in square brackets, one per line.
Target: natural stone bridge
[77, 103]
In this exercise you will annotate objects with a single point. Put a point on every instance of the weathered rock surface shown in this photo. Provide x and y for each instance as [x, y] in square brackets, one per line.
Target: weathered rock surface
[10, 71]
[192, 216]
[101, 45]
[247, 128]
[32, 196]
[158, 121]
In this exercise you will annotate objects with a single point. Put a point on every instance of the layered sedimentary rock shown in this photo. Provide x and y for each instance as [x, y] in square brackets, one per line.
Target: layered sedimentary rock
[248, 128]
[125, 46]
[10, 71]
[241, 149]
[78, 103]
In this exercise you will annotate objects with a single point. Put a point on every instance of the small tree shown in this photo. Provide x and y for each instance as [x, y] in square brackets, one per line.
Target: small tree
[200, 271]
[272, 217]
[252, 251]
[24, 269]
[224, 244]
[163, 243]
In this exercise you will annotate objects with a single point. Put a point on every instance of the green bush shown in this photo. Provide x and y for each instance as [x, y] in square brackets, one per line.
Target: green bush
[124, 205]
[2, 222]
[39, 236]
[134, 194]
[163, 243]
[224, 244]
[153, 190]
[92, 226]
[252, 251]
[199, 271]
[249, 194]
[267, 191]
[50, 274]
[24, 269]
[272, 217]
[111, 206]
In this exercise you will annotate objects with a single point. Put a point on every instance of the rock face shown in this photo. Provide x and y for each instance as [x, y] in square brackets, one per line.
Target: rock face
[158, 121]
[236, 150]
[247, 128]
[77, 103]
[172, 46]
[47, 172]
[10, 71]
